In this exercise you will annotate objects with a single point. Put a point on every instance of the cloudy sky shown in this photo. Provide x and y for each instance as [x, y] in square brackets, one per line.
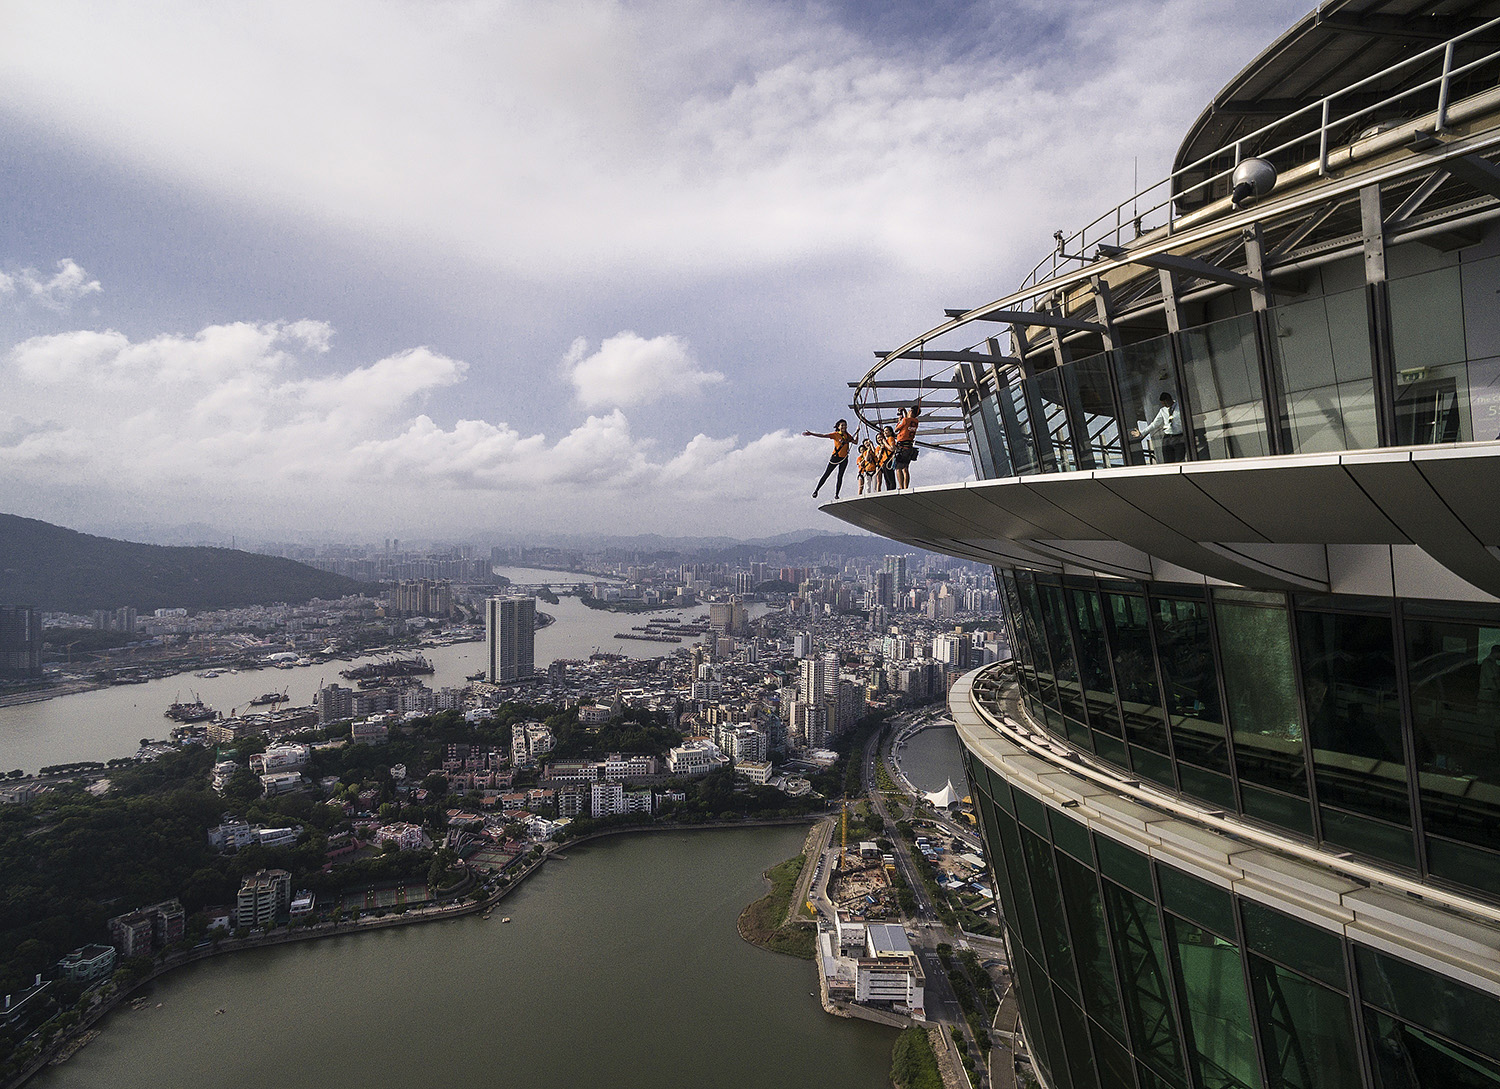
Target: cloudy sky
[339, 269]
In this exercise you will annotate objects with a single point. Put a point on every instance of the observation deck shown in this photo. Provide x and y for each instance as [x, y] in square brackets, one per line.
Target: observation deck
[1330, 342]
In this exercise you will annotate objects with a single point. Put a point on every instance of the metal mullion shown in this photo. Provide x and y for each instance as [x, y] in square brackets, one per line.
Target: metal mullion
[1161, 689]
[1213, 641]
[1255, 1034]
[1309, 763]
[1409, 739]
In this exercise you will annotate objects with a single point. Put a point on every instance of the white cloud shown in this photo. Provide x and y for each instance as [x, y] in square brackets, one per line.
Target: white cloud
[590, 138]
[631, 370]
[232, 419]
[58, 292]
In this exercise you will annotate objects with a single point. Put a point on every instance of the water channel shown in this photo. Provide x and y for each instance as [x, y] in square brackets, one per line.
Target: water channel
[621, 967]
[933, 758]
[109, 722]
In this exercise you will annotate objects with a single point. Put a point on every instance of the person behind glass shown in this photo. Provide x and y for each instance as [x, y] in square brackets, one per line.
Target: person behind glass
[867, 466]
[1167, 423]
[840, 459]
[887, 452]
[906, 445]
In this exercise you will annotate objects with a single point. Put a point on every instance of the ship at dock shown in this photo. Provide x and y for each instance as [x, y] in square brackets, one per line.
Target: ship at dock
[270, 698]
[196, 711]
[389, 669]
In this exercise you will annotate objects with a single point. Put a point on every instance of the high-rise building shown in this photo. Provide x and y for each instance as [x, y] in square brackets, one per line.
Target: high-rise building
[20, 642]
[510, 631]
[802, 645]
[1235, 473]
[895, 566]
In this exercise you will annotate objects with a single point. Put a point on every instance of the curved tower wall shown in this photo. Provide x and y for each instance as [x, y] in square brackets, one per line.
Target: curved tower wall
[1240, 785]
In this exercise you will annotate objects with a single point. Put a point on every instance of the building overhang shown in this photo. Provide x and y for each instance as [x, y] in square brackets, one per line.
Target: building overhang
[1410, 521]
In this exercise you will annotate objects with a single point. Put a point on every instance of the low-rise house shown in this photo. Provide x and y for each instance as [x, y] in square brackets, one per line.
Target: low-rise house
[88, 963]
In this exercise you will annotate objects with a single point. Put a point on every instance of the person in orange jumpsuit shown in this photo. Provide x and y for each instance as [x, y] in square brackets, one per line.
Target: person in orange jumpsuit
[842, 440]
[906, 445]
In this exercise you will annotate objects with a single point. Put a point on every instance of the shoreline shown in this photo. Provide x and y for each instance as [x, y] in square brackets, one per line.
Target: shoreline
[66, 1044]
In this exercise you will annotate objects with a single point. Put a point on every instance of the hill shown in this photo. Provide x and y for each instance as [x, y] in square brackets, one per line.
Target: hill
[62, 569]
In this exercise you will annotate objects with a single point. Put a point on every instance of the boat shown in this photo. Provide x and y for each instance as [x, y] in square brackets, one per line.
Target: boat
[475, 676]
[197, 711]
[389, 668]
[269, 697]
[505, 919]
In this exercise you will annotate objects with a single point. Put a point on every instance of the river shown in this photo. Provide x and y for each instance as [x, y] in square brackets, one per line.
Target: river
[621, 968]
[109, 722]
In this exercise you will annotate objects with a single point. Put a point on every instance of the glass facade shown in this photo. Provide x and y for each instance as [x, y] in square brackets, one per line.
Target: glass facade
[1136, 975]
[1366, 725]
[1300, 381]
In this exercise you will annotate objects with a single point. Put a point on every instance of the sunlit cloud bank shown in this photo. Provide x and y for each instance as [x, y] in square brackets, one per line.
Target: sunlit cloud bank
[233, 419]
[592, 139]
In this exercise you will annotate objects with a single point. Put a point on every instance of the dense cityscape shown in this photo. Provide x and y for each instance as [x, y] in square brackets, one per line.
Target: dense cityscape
[387, 800]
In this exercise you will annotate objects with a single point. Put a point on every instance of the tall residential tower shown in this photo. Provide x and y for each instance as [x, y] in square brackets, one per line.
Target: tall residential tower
[510, 632]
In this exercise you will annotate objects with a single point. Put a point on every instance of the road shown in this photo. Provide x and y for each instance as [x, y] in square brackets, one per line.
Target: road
[927, 928]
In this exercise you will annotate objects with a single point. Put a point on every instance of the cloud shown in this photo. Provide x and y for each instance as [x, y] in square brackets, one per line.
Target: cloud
[58, 292]
[593, 139]
[631, 370]
[233, 422]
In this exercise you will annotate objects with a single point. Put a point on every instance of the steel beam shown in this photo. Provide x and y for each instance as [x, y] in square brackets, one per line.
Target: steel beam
[1029, 317]
[1187, 266]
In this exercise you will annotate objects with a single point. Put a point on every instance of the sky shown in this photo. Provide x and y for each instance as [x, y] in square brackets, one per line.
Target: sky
[481, 269]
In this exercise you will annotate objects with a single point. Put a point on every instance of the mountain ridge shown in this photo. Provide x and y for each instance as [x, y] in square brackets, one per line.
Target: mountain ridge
[61, 569]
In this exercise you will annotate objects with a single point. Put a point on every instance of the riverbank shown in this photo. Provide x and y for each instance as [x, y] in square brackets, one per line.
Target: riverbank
[68, 1043]
[763, 922]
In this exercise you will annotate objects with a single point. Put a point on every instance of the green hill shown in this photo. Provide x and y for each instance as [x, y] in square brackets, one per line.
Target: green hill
[61, 569]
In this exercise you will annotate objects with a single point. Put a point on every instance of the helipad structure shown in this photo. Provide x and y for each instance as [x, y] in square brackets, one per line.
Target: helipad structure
[1237, 456]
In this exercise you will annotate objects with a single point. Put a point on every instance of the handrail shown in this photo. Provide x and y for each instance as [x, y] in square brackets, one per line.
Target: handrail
[1120, 783]
[1078, 241]
[1203, 224]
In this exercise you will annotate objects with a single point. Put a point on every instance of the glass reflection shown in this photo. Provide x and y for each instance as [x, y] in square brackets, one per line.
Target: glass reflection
[1354, 724]
[1454, 672]
[1222, 368]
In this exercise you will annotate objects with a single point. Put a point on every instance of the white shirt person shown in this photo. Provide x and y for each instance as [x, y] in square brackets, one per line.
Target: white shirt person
[1167, 423]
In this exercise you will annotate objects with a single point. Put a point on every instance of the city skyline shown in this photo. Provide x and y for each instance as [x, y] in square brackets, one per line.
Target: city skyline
[576, 268]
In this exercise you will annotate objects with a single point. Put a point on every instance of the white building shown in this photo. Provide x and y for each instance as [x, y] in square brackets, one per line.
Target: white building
[281, 758]
[694, 758]
[407, 837]
[280, 782]
[889, 972]
[608, 799]
[757, 771]
[629, 766]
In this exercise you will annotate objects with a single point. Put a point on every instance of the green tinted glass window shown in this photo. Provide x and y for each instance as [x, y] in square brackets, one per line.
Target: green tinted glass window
[1049, 912]
[1222, 1046]
[1255, 647]
[1130, 868]
[1071, 836]
[1354, 720]
[1032, 813]
[1135, 931]
[1085, 910]
[1405, 1057]
[1207, 905]
[1307, 1030]
[1430, 1001]
[1187, 664]
[1309, 949]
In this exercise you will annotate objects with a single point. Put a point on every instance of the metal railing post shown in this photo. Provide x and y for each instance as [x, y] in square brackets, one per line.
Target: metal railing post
[1442, 108]
[1323, 139]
